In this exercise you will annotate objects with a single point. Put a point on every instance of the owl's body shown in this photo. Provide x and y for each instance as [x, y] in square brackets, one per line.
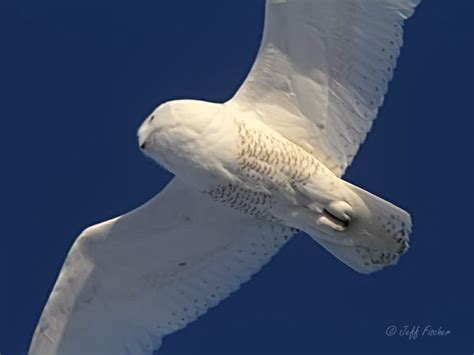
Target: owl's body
[238, 161]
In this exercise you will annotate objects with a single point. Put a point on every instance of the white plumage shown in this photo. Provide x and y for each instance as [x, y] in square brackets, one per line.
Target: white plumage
[129, 281]
[323, 70]
[249, 173]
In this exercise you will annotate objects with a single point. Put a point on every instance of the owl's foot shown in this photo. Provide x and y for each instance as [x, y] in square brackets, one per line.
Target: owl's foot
[336, 215]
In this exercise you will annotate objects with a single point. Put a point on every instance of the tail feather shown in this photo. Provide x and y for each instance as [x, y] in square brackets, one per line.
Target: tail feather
[361, 259]
[383, 221]
[379, 232]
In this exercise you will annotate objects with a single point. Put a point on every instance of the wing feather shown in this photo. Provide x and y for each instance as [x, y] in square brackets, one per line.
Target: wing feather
[130, 281]
[322, 71]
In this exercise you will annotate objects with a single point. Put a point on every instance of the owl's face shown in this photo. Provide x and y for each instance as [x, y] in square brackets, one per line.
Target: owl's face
[152, 135]
[152, 125]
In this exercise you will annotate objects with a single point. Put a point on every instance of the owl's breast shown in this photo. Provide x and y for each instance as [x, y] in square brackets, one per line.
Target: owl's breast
[270, 160]
[266, 169]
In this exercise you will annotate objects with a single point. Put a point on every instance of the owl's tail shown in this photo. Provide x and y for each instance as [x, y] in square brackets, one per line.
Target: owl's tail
[367, 234]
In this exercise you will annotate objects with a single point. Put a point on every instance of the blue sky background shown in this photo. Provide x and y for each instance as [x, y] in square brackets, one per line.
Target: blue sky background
[78, 79]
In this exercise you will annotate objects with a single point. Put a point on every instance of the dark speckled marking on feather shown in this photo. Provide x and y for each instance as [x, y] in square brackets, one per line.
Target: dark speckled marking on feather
[264, 157]
[264, 160]
[254, 203]
[375, 257]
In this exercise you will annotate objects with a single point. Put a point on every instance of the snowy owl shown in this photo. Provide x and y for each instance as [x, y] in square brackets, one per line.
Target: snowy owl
[249, 174]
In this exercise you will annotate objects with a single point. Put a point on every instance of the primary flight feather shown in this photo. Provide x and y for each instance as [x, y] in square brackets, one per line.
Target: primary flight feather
[249, 174]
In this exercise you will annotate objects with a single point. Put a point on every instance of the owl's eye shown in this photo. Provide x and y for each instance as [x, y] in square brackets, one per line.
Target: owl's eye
[152, 117]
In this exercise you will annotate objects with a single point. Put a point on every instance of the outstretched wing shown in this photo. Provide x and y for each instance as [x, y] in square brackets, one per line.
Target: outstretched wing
[322, 71]
[129, 281]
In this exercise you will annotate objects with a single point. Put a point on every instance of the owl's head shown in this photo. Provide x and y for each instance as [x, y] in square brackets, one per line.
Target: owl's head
[173, 128]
